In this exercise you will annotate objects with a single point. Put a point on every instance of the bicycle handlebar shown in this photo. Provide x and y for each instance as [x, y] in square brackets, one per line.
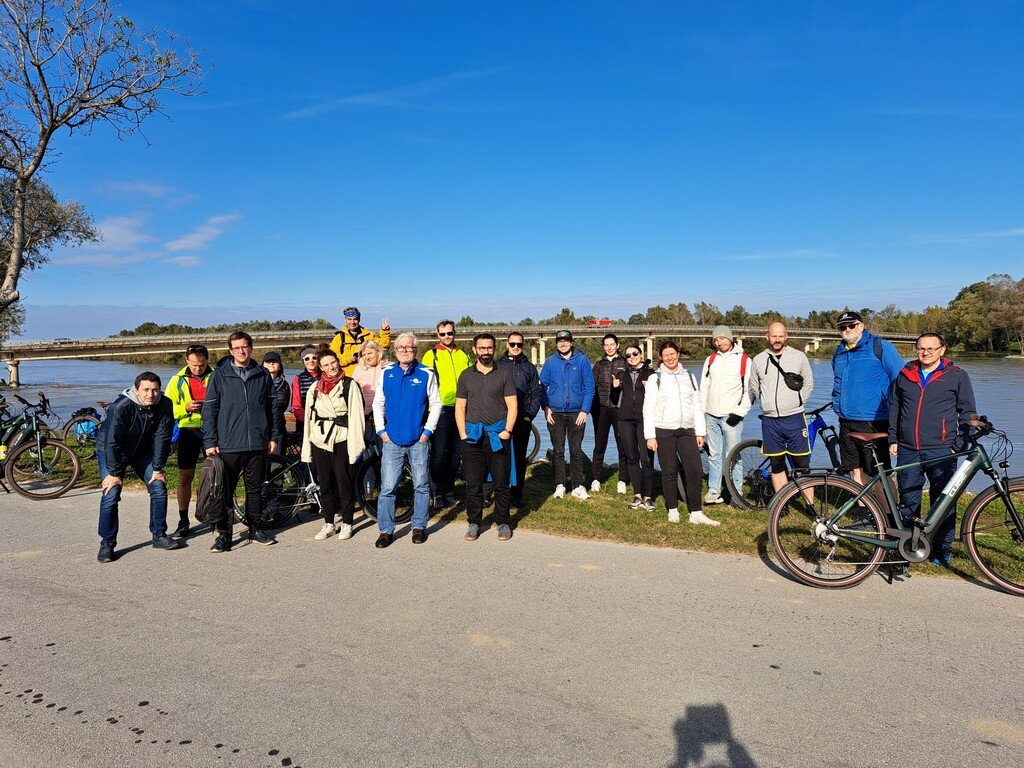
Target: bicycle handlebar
[981, 423]
[819, 411]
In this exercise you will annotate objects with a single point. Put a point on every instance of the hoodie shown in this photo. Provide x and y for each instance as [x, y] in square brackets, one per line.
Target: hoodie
[131, 429]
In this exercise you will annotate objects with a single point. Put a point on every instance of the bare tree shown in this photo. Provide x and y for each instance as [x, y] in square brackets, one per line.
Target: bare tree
[68, 65]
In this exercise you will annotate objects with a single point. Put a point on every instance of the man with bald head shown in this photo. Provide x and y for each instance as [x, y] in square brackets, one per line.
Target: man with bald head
[782, 380]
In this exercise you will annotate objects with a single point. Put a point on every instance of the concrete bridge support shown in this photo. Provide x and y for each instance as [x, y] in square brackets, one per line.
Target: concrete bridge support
[542, 343]
[13, 379]
[649, 347]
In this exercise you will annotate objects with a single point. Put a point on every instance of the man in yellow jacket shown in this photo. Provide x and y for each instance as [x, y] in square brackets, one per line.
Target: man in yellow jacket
[348, 342]
[448, 361]
[187, 390]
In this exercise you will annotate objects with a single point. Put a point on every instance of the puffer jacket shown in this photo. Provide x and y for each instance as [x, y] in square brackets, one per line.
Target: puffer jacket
[631, 407]
[130, 429]
[724, 383]
[301, 382]
[934, 414]
[766, 383]
[568, 383]
[238, 414]
[336, 417]
[672, 401]
[605, 395]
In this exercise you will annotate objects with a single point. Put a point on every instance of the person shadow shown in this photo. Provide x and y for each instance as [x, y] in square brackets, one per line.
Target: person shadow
[704, 739]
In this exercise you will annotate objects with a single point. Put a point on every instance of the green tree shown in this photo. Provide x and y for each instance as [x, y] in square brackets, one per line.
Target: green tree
[707, 314]
[969, 317]
[1008, 308]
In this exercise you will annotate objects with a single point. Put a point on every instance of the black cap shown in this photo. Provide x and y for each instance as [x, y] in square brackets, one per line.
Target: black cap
[271, 357]
[563, 335]
[849, 316]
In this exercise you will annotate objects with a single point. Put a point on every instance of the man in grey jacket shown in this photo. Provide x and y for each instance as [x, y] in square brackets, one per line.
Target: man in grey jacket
[781, 379]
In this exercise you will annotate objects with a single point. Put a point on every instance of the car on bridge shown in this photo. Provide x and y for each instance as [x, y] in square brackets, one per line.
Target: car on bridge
[604, 322]
[63, 340]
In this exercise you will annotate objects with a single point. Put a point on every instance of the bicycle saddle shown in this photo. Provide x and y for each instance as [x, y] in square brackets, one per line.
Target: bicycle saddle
[867, 437]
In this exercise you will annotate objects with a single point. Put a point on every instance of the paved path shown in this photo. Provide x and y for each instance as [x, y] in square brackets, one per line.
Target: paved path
[540, 651]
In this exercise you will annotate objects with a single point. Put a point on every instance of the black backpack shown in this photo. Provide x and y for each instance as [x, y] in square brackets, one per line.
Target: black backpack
[210, 495]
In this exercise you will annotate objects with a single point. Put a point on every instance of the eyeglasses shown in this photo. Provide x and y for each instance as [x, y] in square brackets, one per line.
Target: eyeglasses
[307, 358]
[405, 349]
[442, 334]
[847, 326]
[516, 344]
[197, 349]
[929, 350]
[632, 354]
[239, 349]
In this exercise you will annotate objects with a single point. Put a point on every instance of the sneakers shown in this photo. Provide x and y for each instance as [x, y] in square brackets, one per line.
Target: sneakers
[713, 497]
[559, 492]
[620, 487]
[649, 505]
[595, 487]
[450, 499]
[504, 532]
[326, 532]
[221, 544]
[182, 530]
[673, 515]
[636, 503]
[166, 542]
[940, 559]
[580, 492]
[345, 531]
[106, 553]
[257, 535]
[472, 533]
[699, 518]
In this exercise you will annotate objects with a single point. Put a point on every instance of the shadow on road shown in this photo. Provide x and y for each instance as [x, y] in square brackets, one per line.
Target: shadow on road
[704, 738]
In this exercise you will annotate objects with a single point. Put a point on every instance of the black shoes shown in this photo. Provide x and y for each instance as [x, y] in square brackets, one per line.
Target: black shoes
[255, 534]
[166, 542]
[419, 535]
[384, 540]
[222, 543]
[182, 530]
[106, 553]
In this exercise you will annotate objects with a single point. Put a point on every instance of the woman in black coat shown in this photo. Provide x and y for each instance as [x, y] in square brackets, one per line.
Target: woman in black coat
[639, 460]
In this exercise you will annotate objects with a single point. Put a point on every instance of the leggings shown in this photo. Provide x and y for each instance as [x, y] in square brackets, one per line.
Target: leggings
[335, 475]
[677, 450]
[639, 460]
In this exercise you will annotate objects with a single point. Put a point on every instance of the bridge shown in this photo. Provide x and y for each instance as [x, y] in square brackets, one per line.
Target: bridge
[537, 336]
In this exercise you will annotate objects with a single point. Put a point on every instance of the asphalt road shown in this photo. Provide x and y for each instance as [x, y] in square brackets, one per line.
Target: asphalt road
[538, 651]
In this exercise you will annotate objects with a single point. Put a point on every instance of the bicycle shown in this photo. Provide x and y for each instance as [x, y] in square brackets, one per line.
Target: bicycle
[841, 538]
[34, 464]
[82, 430]
[756, 473]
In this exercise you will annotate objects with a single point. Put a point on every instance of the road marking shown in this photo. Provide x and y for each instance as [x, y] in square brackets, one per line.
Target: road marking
[590, 567]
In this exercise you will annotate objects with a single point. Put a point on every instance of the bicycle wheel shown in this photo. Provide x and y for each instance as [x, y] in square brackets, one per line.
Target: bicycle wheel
[811, 552]
[756, 475]
[993, 542]
[42, 473]
[368, 490]
[283, 494]
[534, 444]
[80, 435]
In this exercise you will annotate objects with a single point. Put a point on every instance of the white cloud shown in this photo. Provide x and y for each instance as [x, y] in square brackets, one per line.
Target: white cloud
[184, 261]
[203, 235]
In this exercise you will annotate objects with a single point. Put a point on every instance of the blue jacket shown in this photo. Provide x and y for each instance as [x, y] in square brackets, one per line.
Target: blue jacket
[238, 414]
[131, 429]
[527, 381]
[407, 403]
[932, 415]
[860, 389]
[568, 385]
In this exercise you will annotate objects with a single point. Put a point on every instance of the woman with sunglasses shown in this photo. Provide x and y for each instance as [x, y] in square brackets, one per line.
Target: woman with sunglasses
[302, 381]
[639, 459]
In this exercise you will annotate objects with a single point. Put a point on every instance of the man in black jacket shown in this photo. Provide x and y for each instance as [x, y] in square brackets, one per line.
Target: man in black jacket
[605, 411]
[528, 392]
[136, 433]
[239, 425]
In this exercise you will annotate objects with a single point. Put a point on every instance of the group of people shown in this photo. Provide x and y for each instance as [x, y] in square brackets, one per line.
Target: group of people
[446, 411]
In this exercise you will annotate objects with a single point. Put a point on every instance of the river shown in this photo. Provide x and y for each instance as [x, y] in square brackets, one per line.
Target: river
[998, 388]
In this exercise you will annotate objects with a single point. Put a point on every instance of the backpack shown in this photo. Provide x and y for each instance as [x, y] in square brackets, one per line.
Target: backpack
[876, 346]
[743, 368]
[210, 494]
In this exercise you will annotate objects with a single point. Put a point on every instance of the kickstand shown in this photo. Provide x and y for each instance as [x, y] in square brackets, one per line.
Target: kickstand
[897, 570]
[4, 486]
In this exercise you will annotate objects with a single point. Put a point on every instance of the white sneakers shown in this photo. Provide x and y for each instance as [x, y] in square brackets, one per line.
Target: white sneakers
[345, 531]
[713, 497]
[326, 532]
[673, 515]
[699, 518]
[559, 492]
[580, 492]
[595, 487]
[620, 487]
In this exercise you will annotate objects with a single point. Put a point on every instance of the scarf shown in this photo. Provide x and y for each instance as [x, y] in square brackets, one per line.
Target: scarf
[325, 384]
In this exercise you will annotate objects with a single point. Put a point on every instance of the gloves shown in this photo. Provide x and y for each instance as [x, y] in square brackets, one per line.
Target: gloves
[733, 419]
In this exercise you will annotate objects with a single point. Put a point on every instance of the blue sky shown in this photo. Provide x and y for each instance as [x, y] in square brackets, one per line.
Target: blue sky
[502, 160]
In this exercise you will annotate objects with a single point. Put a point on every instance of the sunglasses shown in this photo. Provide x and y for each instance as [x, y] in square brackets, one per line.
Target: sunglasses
[847, 326]
[307, 358]
[516, 344]
[197, 349]
[632, 354]
[442, 334]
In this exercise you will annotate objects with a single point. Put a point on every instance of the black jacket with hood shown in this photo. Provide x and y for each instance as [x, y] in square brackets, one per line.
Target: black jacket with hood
[631, 406]
[238, 413]
[131, 429]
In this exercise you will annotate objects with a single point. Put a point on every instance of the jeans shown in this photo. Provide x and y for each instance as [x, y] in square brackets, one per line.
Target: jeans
[911, 483]
[479, 459]
[445, 453]
[143, 466]
[721, 439]
[391, 461]
[565, 424]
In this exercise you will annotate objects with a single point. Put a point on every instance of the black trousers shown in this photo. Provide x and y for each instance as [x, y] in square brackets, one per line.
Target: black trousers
[677, 450]
[521, 434]
[335, 475]
[250, 466]
[477, 460]
[565, 425]
[606, 419]
[445, 453]
[639, 459]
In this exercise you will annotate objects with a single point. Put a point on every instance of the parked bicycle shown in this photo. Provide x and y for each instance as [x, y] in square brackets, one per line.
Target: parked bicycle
[35, 465]
[756, 470]
[842, 537]
[82, 430]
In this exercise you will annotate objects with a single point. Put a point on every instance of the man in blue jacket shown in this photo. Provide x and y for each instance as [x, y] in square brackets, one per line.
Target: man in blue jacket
[528, 395]
[239, 426]
[567, 380]
[406, 408]
[136, 433]
[932, 400]
[864, 366]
